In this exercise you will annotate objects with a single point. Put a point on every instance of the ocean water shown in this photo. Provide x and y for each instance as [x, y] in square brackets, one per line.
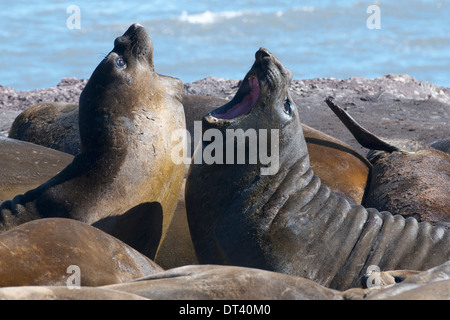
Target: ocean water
[197, 39]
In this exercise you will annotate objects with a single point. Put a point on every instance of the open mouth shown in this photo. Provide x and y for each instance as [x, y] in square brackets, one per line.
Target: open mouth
[250, 93]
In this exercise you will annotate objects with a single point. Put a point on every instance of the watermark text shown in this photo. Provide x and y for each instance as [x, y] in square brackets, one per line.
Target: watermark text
[74, 280]
[235, 146]
[74, 20]
[374, 20]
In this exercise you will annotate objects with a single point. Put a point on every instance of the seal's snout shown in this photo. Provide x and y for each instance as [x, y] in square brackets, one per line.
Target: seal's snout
[262, 55]
[268, 61]
[137, 34]
[136, 43]
[135, 27]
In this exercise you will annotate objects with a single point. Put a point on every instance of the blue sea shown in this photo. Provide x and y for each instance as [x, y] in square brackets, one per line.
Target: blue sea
[42, 42]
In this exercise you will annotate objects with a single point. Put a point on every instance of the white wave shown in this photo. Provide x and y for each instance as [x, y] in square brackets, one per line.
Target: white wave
[209, 17]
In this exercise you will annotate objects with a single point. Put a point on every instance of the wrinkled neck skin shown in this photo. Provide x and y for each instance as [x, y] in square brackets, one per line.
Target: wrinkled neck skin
[291, 223]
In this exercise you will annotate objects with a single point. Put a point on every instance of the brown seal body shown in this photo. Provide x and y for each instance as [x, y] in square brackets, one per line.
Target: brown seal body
[238, 283]
[25, 166]
[123, 181]
[251, 214]
[407, 178]
[344, 170]
[177, 248]
[50, 124]
[212, 282]
[412, 184]
[40, 252]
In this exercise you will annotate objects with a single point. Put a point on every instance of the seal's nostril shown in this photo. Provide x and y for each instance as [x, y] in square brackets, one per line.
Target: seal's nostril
[119, 40]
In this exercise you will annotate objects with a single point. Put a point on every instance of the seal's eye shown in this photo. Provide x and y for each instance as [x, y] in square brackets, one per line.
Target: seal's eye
[120, 63]
[287, 107]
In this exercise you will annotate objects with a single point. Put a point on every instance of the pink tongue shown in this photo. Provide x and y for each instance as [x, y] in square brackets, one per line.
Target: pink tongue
[246, 104]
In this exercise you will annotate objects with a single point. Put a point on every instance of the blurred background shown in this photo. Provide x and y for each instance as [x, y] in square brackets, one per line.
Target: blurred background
[41, 43]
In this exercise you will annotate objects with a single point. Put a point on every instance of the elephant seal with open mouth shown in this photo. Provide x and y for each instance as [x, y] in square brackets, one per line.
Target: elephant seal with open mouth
[277, 215]
[123, 181]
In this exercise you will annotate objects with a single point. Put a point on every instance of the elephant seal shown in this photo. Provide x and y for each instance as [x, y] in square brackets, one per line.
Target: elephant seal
[40, 252]
[407, 178]
[212, 282]
[239, 283]
[123, 181]
[286, 220]
[51, 124]
[26, 165]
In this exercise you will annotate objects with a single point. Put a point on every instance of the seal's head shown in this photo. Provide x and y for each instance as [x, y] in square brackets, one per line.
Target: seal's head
[123, 83]
[264, 87]
[263, 102]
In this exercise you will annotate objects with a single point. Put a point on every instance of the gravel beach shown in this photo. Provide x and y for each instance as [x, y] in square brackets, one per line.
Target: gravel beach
[392, 106]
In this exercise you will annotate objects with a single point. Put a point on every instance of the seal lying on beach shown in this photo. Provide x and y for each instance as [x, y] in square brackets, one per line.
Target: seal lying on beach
[212, 282]
[239, 283]
[286, 220]
[410, 182]
[25, 166]
[50, 124]
[124, 178]
[206, 282]
[41, 251]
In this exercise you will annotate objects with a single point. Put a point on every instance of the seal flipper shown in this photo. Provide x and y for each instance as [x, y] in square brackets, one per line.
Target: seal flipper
[363, 136]
[28, 206]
